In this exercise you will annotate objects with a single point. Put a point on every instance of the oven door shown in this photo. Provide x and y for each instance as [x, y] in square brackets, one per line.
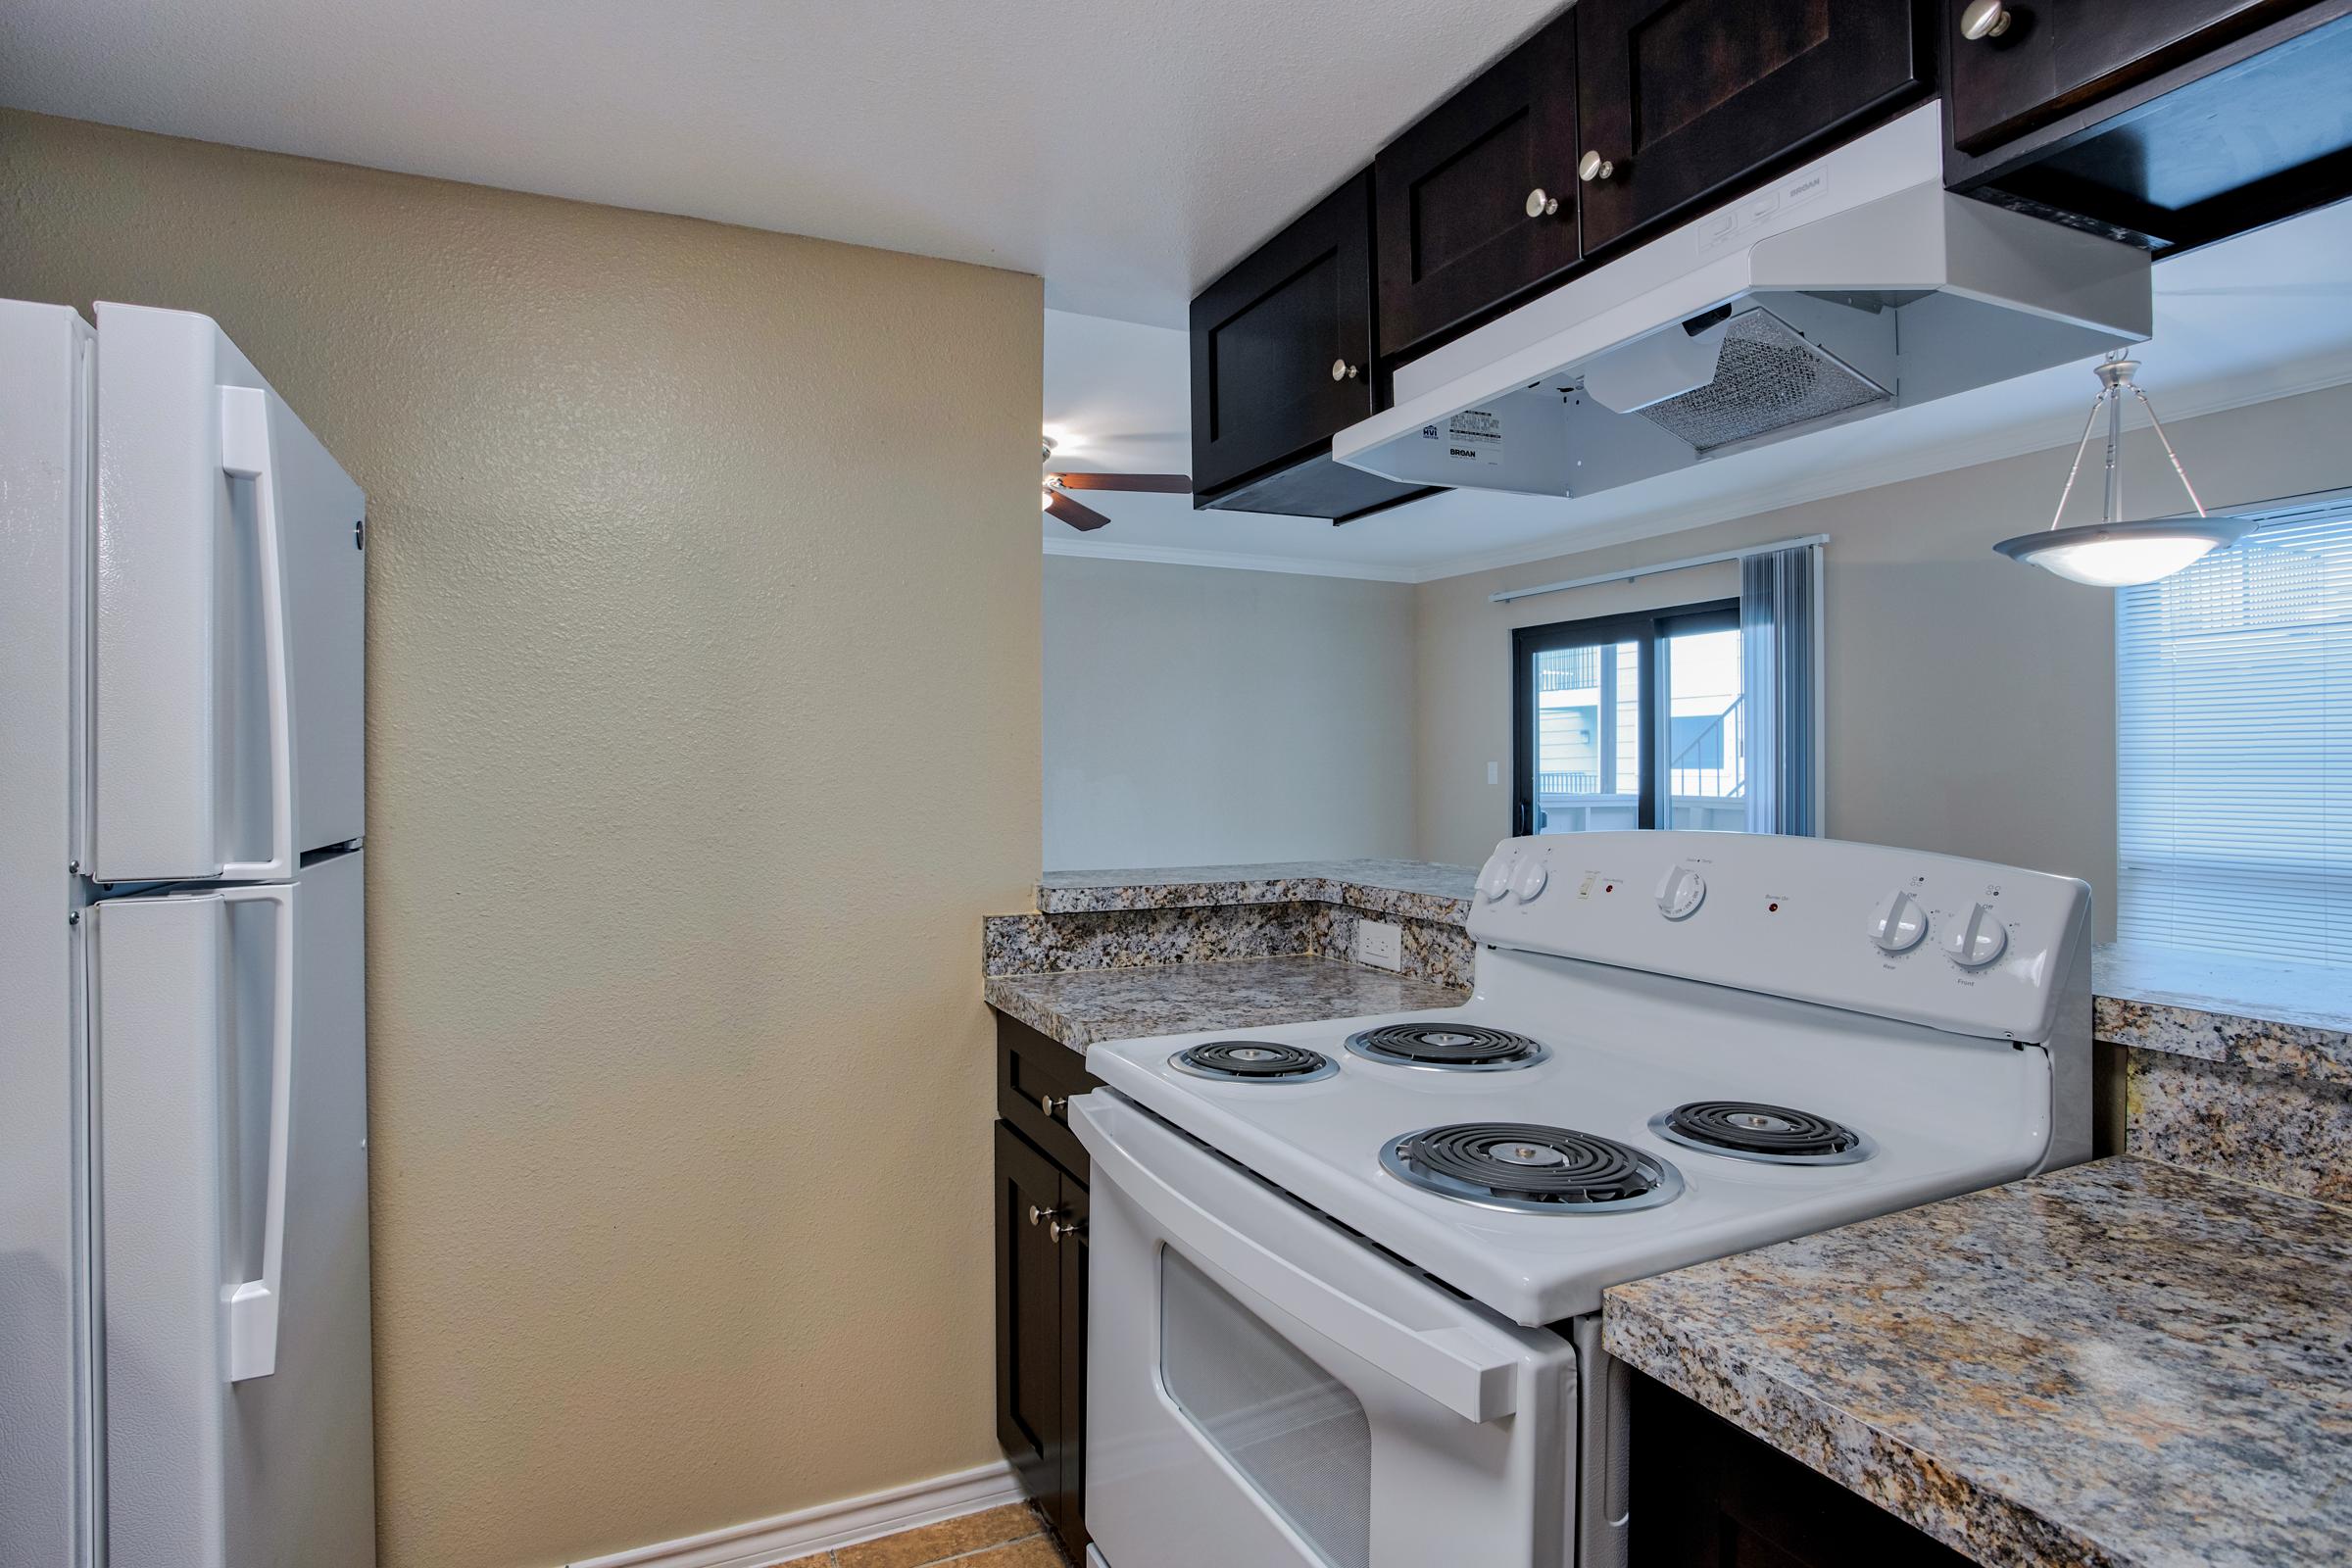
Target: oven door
[1265, 1390]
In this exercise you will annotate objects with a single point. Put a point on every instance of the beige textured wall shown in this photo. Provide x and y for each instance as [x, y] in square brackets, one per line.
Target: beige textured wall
[703, 729]
[1971, 702]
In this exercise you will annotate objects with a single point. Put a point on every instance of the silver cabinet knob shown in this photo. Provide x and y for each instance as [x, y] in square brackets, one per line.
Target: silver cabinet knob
[1039, 1215]
[1984, 18]
[1592, 167]
[1342, 370]
[1056, 1230]
[1541, 205]
[1052, 1104]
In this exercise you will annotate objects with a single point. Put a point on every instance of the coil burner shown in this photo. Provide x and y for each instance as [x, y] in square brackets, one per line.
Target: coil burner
[1530, 1169]
[1253, 1061]
[1447, 1047]
[1774, 1135]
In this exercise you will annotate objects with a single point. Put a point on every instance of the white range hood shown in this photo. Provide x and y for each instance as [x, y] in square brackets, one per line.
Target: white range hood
[1853, 286]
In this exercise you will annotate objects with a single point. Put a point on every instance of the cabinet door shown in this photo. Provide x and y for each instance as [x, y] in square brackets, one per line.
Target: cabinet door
[1477, 203]
[1066, 1509]
[1684, 100]
[1029, 1288]
[1281, 344]
[2053, 58]
[1706, 1495]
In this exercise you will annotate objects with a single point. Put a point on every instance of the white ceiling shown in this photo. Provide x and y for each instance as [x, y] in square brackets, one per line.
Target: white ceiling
[1125, 150]
[2262, 315]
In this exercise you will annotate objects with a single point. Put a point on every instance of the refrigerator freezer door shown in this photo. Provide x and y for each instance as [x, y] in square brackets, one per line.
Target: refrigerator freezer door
[229, 614]
[47, 1470]
[234, 1184]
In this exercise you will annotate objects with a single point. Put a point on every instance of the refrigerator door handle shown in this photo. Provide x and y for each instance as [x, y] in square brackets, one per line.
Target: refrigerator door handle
[247, 451]
[253, 1304]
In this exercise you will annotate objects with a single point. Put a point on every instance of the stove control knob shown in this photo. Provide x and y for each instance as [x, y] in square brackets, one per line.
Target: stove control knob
[1680, 891]
[1496, 880]
[1898, 922]
[1977, 939]
[1529, 883]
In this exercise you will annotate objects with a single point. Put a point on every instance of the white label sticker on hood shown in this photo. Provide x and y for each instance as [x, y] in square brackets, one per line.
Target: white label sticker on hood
[1474, 435]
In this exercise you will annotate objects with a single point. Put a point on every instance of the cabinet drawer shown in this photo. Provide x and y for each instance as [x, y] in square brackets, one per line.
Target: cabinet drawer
[1266, 336]
[1456, 213]
[1036, 1079]
[1686, 100]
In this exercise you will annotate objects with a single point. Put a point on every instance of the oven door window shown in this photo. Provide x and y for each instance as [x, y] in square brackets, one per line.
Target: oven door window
[1292, 1429]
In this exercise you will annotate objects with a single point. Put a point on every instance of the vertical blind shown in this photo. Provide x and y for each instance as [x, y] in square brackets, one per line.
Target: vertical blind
[1780, 633]
[2234, 754]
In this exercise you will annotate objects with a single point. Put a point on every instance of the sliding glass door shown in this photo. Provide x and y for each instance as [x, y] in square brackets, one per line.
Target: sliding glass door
[1629, 721]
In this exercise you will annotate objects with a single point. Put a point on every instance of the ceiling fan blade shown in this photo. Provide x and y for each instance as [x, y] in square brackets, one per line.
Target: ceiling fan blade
[1083, 519]
[1169, 484]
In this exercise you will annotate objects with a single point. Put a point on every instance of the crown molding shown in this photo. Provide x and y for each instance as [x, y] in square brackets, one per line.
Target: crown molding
[1230, 560]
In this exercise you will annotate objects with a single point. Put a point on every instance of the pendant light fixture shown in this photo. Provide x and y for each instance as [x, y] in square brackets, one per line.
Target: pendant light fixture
[2114, 553]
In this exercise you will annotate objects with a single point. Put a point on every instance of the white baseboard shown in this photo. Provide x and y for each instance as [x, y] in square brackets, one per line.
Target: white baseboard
[765, 1543]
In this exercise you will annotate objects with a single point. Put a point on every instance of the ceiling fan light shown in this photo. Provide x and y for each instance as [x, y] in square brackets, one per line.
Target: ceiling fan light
[1046, 504]
[2121, 554]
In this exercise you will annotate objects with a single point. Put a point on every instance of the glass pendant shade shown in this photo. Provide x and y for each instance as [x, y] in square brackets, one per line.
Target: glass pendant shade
[2119, 552]
[2118, 555]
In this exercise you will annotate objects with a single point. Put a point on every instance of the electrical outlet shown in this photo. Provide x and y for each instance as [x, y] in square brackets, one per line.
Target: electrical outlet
[1379, 944]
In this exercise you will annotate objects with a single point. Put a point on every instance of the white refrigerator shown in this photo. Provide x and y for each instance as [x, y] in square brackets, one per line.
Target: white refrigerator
[184, 1368]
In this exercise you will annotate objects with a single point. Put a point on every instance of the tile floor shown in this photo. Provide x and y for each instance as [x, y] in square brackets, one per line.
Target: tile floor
[1010, 1537]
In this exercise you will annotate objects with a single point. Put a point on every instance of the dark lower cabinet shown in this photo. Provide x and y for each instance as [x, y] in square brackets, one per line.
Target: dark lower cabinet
[1041, 1220]
[1684, 100]
[2167, 122]
[1706, 1495]
[1477, 202]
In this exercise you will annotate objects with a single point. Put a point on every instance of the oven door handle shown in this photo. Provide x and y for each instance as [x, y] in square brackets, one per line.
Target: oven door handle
[1464, 1366]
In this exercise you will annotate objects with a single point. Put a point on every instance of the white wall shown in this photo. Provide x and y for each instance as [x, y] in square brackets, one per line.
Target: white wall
[1971, 702]
[1197, 717]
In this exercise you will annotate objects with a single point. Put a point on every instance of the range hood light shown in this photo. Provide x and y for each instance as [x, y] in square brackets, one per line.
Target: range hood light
[2114, 553]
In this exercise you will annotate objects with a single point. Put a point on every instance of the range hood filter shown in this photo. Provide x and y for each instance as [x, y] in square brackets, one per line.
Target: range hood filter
[1768, 378]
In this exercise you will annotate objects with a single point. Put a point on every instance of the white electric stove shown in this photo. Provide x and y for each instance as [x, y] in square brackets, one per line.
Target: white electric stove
[1346, 1276]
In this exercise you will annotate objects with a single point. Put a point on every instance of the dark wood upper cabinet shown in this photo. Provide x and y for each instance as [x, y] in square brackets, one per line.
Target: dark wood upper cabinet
[1684, 100]
[1477, 202]
[1281, 344]
[2051, 55]
[2166, 122]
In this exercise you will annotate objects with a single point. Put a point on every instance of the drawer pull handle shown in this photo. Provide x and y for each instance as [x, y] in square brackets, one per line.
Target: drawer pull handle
[1539, 204]
[1056, 1230]
[1342, 370]
[1052, 1104]
[1039, 1216]
[1592, 167]
[1985, 19]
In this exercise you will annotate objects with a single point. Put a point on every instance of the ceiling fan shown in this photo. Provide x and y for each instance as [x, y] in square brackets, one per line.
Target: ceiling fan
[1058, 483]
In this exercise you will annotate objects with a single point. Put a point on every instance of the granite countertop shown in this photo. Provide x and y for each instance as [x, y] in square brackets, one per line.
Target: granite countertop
[2264, 1014]
[2120, 1365]
[1079, 1006]
[1423, 889]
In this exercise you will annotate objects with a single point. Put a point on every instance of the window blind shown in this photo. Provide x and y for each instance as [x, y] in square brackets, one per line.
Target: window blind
[2233, 754]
